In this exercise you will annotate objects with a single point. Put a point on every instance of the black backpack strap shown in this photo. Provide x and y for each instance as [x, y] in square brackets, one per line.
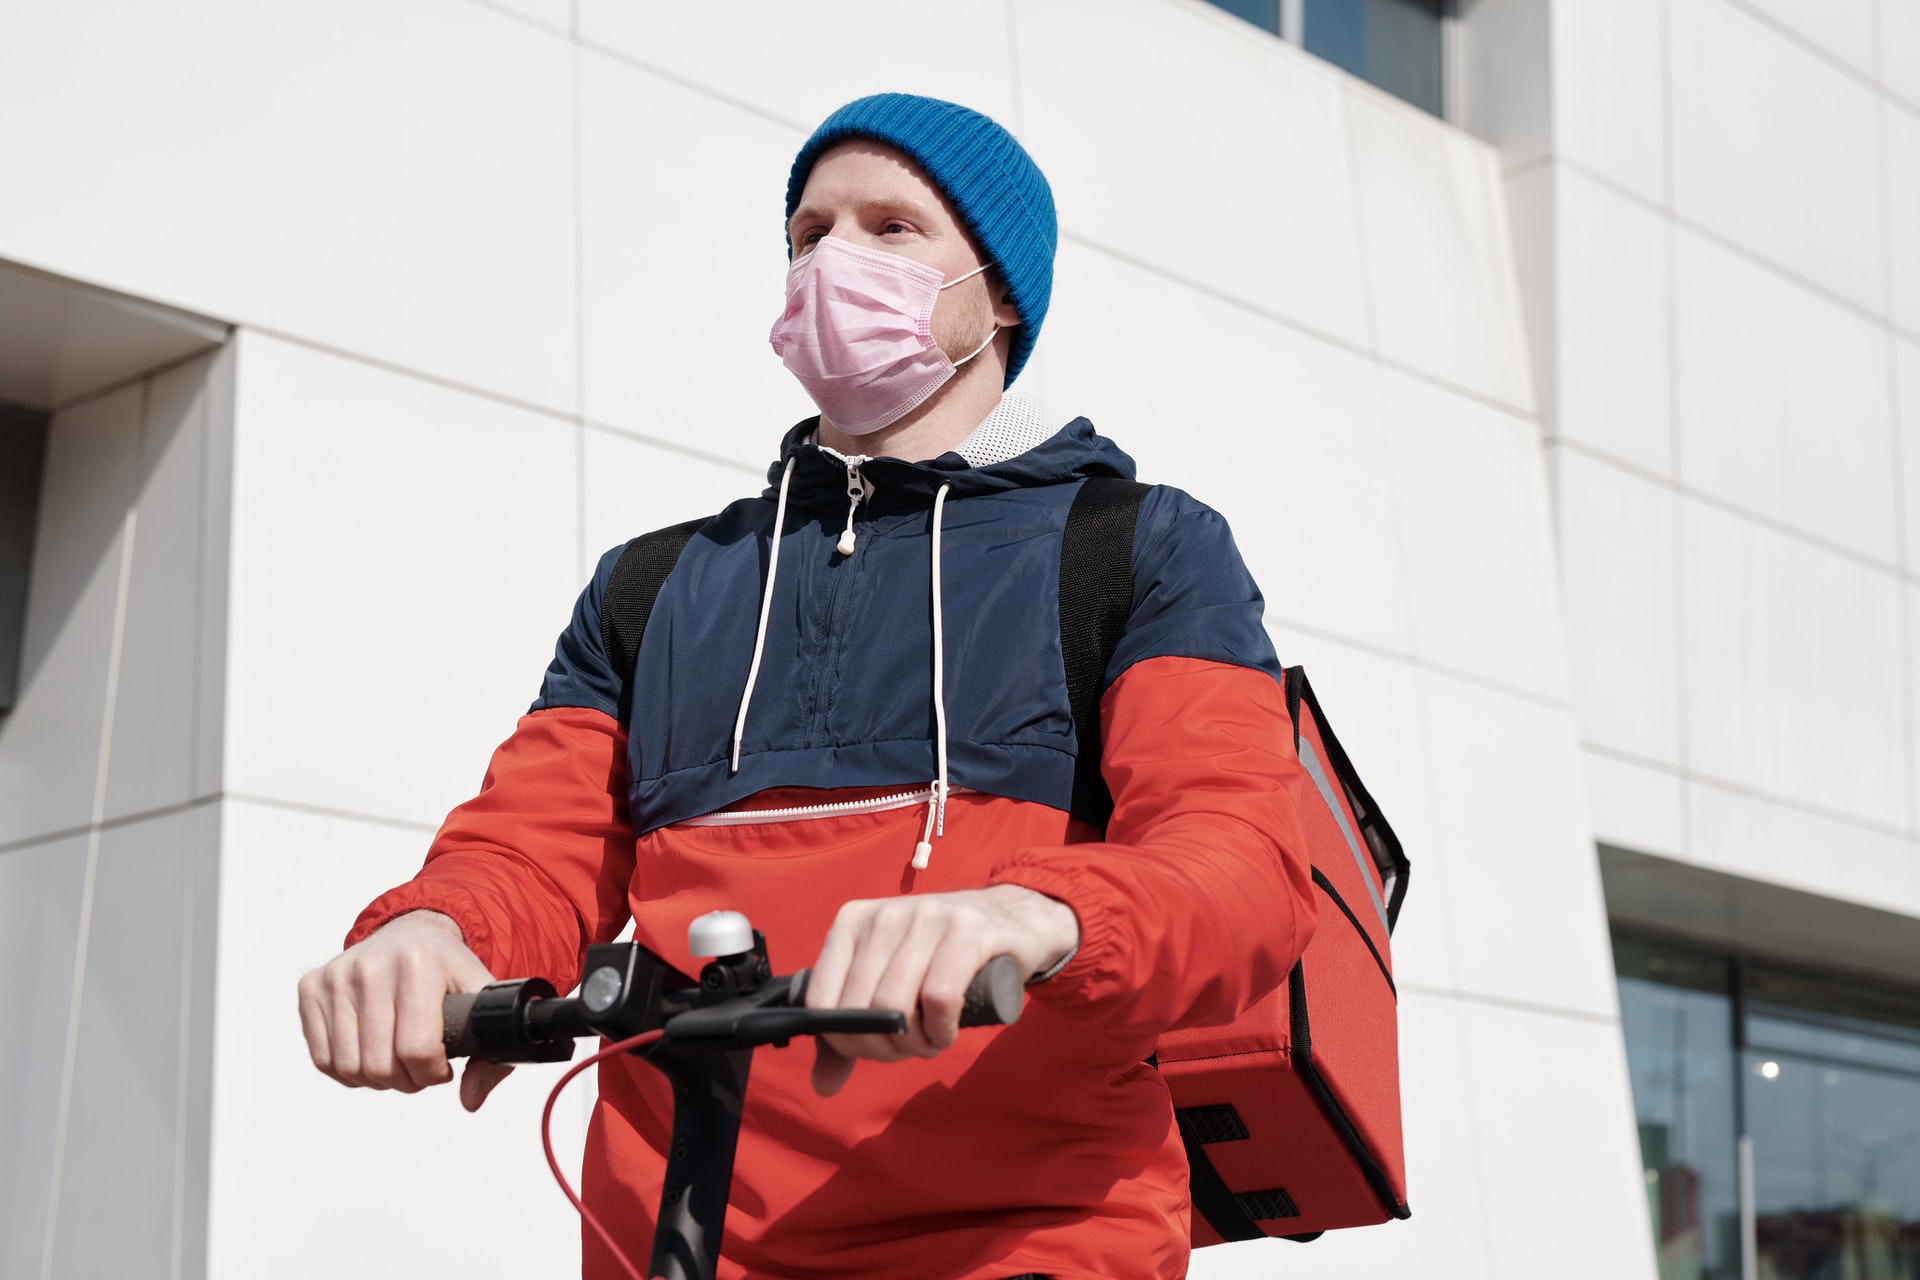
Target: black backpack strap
[632, 588]
[1096, 598]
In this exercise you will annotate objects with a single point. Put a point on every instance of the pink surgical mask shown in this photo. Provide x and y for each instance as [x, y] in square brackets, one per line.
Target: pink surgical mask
[857, 332]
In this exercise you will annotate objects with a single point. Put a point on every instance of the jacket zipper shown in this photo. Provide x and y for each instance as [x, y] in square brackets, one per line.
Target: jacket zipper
[859, 490]
[809, 812]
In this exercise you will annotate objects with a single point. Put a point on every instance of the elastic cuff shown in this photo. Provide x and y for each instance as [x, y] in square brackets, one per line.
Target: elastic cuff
[1056, 966]
[456, 904]
[1081, 967]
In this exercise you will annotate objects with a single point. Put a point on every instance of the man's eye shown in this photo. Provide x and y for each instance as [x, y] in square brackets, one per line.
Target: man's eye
[892, 227]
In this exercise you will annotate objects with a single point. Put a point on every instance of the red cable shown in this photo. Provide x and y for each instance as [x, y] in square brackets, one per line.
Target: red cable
[546, 1140]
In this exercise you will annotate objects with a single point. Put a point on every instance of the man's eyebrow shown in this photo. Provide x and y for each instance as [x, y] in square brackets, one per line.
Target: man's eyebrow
[892, 204]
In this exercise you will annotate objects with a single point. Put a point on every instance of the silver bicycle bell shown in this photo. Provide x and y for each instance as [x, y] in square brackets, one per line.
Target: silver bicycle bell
[719, 933]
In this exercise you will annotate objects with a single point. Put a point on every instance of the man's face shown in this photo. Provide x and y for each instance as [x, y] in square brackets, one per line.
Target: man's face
[867, 193]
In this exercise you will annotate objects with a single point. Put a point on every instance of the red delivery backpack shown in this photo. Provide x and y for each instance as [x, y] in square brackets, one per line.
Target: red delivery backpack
[1291, 1114]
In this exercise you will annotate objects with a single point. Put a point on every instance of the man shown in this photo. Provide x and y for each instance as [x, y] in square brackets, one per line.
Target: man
[817, 655]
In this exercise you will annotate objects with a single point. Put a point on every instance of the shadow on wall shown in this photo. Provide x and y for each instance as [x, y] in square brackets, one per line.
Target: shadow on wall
[100, 461]
[113, 605]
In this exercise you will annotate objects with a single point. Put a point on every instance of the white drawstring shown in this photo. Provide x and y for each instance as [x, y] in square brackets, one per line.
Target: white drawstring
[937, 805]
[766, 607]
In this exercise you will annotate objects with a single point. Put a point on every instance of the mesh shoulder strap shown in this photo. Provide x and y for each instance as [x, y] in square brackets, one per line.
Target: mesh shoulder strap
[1096, 598]
[631, 590]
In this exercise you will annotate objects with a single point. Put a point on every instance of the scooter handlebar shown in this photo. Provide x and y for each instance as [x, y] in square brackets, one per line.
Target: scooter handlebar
[456, 1023]
[992, 999]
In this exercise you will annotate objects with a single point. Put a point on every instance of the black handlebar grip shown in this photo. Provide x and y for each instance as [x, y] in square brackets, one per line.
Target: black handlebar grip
[993, 997]
[456, 1023]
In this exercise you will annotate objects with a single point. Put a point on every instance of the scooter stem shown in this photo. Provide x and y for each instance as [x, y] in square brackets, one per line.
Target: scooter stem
[708, 1088]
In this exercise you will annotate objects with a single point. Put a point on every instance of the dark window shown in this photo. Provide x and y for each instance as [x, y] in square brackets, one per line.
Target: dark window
[1398, 45]
[1676, 1010]
[1264, 14]
[1827, 1100]
[1833, 1105]
[1395, 44]
[23, 446]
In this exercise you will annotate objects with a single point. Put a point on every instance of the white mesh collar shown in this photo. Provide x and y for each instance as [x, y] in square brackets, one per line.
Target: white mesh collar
[1016, 424]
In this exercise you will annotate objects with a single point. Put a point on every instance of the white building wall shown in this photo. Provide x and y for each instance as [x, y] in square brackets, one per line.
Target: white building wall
[1720, 219]
[504, 274]
[108, 870]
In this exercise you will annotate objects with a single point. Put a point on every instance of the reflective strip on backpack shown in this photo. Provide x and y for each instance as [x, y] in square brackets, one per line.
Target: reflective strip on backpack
[1311, 758]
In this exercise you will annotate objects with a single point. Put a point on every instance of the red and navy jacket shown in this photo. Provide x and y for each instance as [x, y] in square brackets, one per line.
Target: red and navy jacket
[1047, 1146]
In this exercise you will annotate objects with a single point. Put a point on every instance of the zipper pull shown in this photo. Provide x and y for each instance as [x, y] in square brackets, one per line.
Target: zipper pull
[857, 490]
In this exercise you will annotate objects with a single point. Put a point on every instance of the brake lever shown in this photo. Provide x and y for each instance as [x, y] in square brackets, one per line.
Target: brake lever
[737, 1024]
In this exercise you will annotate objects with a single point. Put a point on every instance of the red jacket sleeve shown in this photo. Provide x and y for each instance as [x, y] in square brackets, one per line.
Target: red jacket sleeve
[538, 864]
[1200, 899]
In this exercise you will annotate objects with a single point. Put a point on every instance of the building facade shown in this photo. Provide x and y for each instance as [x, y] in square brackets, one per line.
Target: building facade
[1562, 386]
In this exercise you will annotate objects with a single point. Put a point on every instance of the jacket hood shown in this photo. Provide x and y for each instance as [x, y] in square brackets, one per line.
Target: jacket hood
[1074, 452]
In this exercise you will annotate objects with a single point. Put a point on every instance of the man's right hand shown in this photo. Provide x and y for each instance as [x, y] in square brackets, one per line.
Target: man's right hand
[372, 1013]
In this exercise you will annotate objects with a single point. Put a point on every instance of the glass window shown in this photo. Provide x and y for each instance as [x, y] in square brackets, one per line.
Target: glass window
[1261, 13]
[1827, 1099]
[1395, 44]
[1852, 1026]
[1677, 1014]
[1833, 1108]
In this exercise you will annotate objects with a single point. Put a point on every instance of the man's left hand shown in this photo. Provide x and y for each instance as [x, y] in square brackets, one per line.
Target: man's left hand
[917, 954]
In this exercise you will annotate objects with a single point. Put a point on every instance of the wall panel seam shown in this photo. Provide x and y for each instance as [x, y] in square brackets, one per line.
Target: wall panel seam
[694, 86]
[1466, 996]
[1721, 240]
[90, 876]
[754, 469]
[579, 161]
[121, 384]
[1354, 193]
[110, 824]
[554, 412]
[1732, 786]
[1896, 441]
[524, 19]
[1415, 663]
[330, 811]
[1519, 411]
[1833, 61]
[1728, 507]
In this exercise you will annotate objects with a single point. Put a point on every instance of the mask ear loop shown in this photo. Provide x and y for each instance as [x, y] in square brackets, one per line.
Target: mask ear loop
[982, 347]
[970, 275]
[996, 329]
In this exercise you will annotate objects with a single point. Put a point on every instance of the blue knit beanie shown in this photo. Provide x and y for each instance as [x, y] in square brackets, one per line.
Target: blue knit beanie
[993, 183]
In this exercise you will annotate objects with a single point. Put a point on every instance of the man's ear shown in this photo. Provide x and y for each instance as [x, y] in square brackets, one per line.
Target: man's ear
[1005, 314]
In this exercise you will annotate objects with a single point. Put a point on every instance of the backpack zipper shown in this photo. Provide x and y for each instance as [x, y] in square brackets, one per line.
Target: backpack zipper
[809, 812]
